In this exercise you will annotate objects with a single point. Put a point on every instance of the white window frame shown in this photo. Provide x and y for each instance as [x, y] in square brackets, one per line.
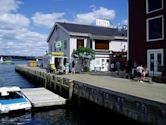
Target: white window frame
[147, 28]
[154, 51]
[147, 7]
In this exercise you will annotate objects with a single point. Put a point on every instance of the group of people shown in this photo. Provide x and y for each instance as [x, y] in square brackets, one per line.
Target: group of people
[140, 72]
[62, 68]
[69, 67]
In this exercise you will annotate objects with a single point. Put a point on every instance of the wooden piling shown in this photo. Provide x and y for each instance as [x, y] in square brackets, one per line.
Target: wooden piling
[48, 80]
[70, 89]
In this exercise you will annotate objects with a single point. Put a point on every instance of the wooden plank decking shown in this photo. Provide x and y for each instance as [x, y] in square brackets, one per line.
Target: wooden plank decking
[40, 97]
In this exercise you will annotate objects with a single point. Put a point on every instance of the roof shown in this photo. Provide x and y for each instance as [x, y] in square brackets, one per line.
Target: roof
[93, 31]
[4, 90]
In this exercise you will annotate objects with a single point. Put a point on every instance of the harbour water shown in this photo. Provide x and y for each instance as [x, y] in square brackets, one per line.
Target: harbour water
[84, 114]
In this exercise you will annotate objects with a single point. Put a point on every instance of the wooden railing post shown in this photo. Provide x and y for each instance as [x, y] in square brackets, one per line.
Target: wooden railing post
[60, 87]
[70, 88]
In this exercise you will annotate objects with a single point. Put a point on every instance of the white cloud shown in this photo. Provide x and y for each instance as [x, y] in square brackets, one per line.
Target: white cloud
[15, 36]
[9, 6]
[8, 20]
[47, 20]
[22, 42]
[90, 17]
[8, 16]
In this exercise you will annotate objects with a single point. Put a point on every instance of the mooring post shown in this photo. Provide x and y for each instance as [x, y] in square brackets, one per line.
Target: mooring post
[55, 83]
[70, 88]
[45, 84]
[60, 86]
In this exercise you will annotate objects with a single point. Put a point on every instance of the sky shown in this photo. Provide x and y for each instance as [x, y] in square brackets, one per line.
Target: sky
[26, 24]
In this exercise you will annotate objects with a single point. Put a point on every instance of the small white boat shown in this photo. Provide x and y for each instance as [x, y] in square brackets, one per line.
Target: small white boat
[1, 59]
[12, 98]
[8, 62]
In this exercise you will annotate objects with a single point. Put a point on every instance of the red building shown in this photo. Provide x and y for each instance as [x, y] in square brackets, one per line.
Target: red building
[147, 34]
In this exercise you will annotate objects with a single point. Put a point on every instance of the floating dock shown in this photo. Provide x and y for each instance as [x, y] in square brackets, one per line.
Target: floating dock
[40, 97]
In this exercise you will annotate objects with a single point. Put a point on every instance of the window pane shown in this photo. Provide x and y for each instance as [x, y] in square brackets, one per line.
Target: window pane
[152, 62]
[155, 28]
[80, 42]
[154, 4]
[159, 63]
[90, 43]
[101, 44]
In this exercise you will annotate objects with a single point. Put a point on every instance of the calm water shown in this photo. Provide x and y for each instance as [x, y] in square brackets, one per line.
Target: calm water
[84, 114]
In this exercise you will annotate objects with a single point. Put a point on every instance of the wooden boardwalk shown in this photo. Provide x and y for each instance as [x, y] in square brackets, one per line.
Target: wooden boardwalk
[154, 91]
[142, 101]
[40, 97]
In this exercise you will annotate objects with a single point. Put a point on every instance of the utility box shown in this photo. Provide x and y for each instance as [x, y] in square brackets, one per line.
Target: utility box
[32, 63]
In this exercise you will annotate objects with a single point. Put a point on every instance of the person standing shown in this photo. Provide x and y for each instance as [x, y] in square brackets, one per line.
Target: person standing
[66, 68]
[112, 66]
[118, 67]
[145, 72]
[140, 70]
[73, 67]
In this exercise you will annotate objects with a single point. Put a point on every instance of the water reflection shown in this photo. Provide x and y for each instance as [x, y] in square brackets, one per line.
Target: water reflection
[16, 119]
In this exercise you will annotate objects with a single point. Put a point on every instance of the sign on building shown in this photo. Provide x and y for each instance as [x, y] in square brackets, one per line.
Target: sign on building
[100, 22]
[58, 44]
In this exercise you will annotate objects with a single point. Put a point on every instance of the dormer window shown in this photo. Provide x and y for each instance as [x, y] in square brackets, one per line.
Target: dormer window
[154, 5]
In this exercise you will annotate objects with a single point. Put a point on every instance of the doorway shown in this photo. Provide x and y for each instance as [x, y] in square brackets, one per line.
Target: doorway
[155, 61]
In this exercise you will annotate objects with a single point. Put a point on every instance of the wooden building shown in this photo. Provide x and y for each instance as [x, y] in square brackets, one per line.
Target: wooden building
[65, 37]
[147, 32]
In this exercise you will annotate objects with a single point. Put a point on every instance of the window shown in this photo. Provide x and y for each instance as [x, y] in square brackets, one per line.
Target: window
[80, 42]
[99, 44]
[154, 5]
[159, 62]
[91, 44]
[65, 44]
[152, 62]
[155, 28]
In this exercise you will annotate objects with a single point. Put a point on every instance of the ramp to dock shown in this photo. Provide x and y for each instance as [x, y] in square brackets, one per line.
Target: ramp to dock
[40, 97]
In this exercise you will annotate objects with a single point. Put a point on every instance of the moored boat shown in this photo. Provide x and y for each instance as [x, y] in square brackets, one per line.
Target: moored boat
[1, 59]
[12, 98]
[8, 62]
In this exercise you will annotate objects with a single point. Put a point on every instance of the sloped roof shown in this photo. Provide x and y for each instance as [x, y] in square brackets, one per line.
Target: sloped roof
[94, 30]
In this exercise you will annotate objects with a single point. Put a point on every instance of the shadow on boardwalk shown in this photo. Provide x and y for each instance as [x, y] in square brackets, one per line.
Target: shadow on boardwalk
[120, 74]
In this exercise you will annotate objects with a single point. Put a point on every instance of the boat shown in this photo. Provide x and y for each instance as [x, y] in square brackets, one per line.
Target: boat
[12, 99]
[1, 59]
[8, 62]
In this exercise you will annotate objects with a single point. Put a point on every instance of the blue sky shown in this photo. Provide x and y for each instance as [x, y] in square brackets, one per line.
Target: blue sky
[25, 24]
